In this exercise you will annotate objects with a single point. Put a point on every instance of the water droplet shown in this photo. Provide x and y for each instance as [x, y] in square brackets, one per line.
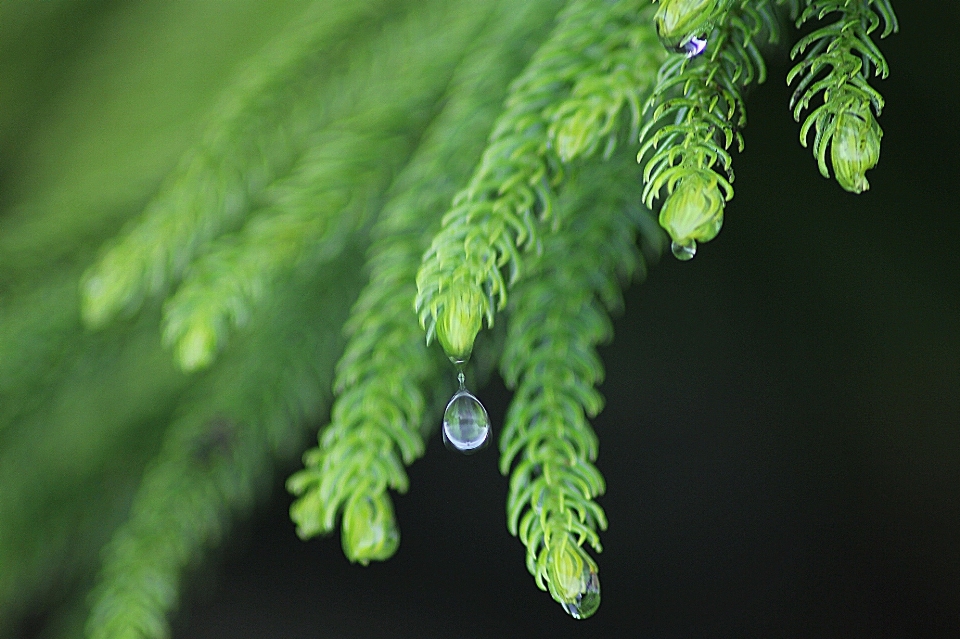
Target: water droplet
[684, 251]
[466, 425]
[587, 601]
[694, 47]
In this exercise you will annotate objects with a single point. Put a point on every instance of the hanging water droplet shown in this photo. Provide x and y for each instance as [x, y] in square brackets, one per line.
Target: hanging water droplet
[694, 47]
[684, 251]
[466, 425]
[587, 602]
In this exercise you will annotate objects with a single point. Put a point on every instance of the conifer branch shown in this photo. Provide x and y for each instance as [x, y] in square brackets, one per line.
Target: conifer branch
[607, 96]
[333, 194]
[60, 498]
[217, 456]
[837, 62]
[275, 203]
[556, 319]
[683, 25]
[473, 260]
[35, 335]
[386, 375]
[253, 136]
[696, 112]
[333, 190]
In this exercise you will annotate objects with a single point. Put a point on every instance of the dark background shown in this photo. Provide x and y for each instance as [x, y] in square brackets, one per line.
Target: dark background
[781, 440]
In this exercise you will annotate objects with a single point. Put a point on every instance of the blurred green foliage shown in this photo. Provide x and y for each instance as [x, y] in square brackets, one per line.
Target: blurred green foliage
[254, 164]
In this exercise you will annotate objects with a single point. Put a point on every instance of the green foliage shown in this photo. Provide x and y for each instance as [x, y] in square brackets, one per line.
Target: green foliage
[386, 375]
[696, 112]
[379, 168]
[678, 22]
[596, 44]
[70, 458]
[556, 317]
[81, 414]
[259, 128]
[837, 61]
[331, 189]
[218, 455]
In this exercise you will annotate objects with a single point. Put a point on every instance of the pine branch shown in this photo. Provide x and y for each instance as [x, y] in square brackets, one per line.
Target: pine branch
[696, 113]
[386, 373]
[681, 23]
[837, 62]
[607, 95]
[148, 552]
[217, 456]
[254, 135]
[477, 255]
[69, 465]
[38, 331]
[333, 190]
[556, 318]
[262, 224]
[334, 193]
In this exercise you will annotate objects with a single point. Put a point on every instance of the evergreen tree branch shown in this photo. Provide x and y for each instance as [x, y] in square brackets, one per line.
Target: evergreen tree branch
[37, 330]
[194, 505]
[556, 318]
[837, 62]
[334, 189]
[476, 256]
[262, 225]
[387, 372]
[68, 465]
[222, 288]
[696, 113]
[623, 58]
[216, 458]
[683, 25]
[254, 135]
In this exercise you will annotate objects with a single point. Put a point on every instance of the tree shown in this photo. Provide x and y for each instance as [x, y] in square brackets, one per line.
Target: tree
[309, 210]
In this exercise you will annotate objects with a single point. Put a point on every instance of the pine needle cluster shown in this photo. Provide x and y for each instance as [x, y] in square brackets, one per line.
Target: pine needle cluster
[837, 62]
[696, 113]
[365, 448]
[382, 175]
[476, 256]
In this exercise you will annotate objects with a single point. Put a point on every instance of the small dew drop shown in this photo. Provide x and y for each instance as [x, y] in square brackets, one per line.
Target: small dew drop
[466, 425]
[684, 251]
[587, 601]
[694, 47]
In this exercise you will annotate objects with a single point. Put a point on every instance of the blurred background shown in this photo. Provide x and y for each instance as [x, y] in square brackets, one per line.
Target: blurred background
[781, 440]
